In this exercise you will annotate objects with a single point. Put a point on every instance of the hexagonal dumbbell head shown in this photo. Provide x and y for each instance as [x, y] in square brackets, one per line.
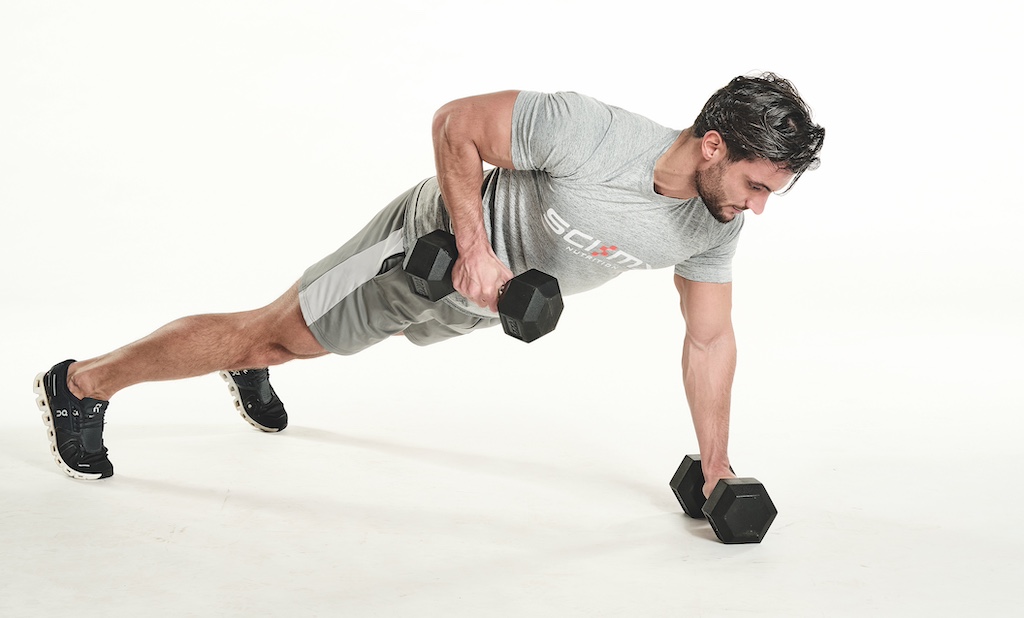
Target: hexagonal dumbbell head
[530, 305]
[429, 266]
[688, 486]
[740, 510]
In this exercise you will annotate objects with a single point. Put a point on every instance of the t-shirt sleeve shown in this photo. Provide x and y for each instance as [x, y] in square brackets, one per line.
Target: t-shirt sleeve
[557, 133]
[714, 265]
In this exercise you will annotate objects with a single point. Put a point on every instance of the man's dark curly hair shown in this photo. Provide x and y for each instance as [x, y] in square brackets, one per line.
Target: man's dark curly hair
[763, 117]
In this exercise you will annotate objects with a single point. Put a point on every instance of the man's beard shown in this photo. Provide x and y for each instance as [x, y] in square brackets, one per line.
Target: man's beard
[709, 188]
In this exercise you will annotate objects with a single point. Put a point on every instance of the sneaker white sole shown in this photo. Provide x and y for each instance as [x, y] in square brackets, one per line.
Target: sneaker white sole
[233, 388]
[51, 431]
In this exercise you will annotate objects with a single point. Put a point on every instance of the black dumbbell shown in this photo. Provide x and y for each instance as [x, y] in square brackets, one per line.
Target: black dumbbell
[530, 303]
[738, 509]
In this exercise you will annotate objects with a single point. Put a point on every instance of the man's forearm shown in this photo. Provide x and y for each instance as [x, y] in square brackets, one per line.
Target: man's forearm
[708, 369]
[467, 133]
[459, 176]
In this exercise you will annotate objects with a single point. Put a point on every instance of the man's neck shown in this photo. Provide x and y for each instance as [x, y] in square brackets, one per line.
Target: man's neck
[675, 171]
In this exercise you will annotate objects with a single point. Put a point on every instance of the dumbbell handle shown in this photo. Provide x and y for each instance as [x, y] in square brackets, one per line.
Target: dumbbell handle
[529, 304]
[739, 509]
[445, 241]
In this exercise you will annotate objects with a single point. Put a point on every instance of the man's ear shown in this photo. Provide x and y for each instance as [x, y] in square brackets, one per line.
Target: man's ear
[712, 145]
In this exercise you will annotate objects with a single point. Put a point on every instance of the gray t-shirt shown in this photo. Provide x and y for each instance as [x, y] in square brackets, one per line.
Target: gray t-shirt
[581, 204]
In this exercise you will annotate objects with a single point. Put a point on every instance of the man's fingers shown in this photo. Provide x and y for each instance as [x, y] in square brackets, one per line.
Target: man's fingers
[481, 282]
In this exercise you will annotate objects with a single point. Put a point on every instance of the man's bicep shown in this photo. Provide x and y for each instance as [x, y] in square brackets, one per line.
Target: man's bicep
[706, 307]
[485, 120]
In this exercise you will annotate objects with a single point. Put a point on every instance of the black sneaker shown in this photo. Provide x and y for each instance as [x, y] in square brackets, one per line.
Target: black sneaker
[74, 426]
[255, 398]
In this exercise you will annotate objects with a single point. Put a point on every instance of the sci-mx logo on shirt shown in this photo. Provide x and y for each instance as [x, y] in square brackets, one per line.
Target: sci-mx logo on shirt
[588, 247]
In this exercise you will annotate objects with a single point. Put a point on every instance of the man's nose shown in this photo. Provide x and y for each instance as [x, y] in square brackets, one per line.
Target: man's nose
[756, 205]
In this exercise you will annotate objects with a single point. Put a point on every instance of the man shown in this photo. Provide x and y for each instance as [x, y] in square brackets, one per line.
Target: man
[581, 190]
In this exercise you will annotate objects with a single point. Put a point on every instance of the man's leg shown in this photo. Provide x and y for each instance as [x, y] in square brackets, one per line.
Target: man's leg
[201, 344]
[73, 396]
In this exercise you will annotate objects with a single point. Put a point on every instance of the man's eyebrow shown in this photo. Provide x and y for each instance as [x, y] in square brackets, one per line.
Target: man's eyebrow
[758, 183]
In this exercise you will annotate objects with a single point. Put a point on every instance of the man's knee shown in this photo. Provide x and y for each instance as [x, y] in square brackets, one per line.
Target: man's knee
[280, 333]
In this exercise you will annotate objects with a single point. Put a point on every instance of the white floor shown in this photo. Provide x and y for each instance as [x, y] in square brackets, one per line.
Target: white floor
[163, 160]
[526, 493]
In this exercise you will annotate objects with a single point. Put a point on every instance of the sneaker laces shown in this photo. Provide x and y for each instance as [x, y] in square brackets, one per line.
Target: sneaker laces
[257, 380]
[251, 377]
[91, 425]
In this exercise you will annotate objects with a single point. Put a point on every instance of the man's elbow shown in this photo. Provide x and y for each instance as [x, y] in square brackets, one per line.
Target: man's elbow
[439, 125]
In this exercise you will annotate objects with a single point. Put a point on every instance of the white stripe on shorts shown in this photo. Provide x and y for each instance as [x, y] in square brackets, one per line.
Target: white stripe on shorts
[333, 286]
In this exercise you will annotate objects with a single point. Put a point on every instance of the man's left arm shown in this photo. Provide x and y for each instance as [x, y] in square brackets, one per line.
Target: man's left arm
[709, 363]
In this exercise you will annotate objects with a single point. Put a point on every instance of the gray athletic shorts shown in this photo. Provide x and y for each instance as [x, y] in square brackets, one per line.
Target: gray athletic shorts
[359, 295]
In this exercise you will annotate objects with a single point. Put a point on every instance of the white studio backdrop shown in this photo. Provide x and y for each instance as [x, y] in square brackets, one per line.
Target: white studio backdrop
[165, 159]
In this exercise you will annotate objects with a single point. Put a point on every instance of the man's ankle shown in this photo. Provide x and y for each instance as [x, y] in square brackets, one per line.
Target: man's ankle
[80, 386]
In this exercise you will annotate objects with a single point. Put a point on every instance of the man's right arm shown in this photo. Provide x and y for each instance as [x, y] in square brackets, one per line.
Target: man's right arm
[468, 132]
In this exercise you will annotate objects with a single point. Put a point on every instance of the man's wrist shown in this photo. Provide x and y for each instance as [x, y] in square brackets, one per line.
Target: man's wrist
[718, 468]
[473, 242]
